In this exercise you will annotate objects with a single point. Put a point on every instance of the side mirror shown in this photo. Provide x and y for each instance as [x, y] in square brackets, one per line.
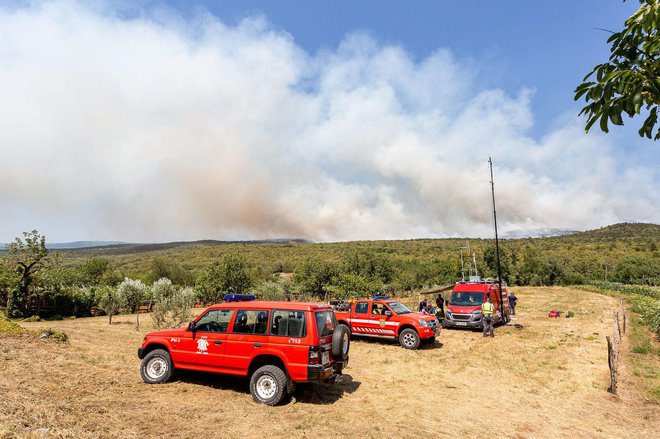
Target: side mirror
[191, 326]
[387, 312]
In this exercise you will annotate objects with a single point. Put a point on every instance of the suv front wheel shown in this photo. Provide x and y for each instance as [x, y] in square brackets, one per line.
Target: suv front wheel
[156, 367]
[409, 339]
[268, 385]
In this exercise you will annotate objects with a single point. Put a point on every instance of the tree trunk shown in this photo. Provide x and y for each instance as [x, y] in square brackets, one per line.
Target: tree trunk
[109, 319]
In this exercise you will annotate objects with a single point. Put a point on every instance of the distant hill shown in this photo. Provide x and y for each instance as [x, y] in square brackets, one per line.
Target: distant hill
[620, 231]
[82, 244]
[128, 248]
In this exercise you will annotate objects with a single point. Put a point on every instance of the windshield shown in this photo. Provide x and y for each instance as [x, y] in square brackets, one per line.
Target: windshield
[325, 323]
[399, 308]
[466, 299]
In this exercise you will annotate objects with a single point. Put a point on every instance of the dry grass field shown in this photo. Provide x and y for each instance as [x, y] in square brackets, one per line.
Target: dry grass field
[548, 378]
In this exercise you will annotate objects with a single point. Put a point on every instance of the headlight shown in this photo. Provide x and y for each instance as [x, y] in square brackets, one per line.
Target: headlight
[423, 323]
[476, 311]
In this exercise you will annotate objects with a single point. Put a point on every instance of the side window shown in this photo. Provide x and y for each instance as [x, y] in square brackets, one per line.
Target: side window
[378, 308]
[216, 320]
[362, 307]
[251, 322]
[289, 324]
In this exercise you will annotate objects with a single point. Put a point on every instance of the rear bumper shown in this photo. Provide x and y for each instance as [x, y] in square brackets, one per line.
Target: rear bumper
[318, 372]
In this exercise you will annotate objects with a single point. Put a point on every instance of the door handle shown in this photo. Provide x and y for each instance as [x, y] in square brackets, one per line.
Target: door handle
[257, 345]
[218, 342]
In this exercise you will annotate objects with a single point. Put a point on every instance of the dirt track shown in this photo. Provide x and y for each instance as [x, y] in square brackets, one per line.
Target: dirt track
[546, 379]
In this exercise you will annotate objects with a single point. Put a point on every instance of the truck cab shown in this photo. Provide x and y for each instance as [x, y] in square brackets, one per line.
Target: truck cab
[464, 308]
[384, 318]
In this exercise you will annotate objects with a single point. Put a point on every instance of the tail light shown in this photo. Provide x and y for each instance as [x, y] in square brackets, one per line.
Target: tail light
[314, 354]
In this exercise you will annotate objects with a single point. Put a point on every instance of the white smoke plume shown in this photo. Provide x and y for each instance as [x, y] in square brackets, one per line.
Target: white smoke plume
[146, 127]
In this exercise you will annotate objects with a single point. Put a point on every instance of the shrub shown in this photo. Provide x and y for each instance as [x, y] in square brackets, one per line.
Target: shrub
[111, 300]
[134, 293]
[171, 306]
[271, 291]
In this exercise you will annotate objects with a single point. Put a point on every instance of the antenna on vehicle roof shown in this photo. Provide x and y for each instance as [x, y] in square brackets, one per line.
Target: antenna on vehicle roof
[497, 243]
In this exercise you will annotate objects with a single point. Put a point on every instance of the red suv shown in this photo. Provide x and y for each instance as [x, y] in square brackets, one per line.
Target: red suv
[276, 344]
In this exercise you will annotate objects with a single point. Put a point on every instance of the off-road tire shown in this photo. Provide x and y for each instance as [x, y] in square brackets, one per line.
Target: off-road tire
[341, 342]
[157, 367]
[268, 385]
[409, 339]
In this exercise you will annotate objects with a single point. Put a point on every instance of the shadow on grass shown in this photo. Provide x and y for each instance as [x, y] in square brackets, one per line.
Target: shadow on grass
[322, 393]
[216, 381]
[306, 393]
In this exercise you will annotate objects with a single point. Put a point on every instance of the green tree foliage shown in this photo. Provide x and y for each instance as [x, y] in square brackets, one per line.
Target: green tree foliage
[634, 269]
[369, 265]
[630, 80]
[171, 304]
[490, 260]
[228, 276]
[111, 300]
[163, 268]
[269, 290]
[314, 276]
[353, 285]
[8, 280]
[134, 293]
[28, 256]
[93, 271]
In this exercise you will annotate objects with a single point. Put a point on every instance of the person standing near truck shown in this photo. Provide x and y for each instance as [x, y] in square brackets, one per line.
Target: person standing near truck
[512, 303]
[487, 309]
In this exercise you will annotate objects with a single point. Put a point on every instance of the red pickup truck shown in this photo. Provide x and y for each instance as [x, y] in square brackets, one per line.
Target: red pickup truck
[381, 317]
[275, 344]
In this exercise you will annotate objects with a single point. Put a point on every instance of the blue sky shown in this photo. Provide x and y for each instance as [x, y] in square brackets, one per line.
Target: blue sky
[157, 121]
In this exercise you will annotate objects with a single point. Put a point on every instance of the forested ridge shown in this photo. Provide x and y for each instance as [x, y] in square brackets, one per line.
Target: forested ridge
[622, 253]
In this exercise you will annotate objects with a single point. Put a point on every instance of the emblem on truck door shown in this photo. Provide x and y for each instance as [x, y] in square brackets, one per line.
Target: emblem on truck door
[382, 323]
[202, 346]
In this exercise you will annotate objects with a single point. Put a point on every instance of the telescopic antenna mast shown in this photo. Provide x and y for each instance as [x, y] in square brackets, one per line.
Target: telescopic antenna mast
[497, 243]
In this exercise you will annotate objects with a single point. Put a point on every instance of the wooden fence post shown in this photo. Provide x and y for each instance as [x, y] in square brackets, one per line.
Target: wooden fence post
[623, 315]
[617, 327]
[610, 360]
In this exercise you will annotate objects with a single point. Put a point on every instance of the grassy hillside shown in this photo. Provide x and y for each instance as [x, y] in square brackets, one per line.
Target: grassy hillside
[595, 254]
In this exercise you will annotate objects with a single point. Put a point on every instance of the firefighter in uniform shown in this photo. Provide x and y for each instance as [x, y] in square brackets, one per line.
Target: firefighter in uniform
[487, 309]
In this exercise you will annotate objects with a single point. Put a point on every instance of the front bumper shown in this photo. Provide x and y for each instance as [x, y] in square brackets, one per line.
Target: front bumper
[140, 353]
[463, 320]
[428, 332]
[319, 372]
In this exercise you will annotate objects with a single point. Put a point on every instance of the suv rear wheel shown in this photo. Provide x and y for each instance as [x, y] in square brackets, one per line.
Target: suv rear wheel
[409, 339]
[268, 385]
[156, 367]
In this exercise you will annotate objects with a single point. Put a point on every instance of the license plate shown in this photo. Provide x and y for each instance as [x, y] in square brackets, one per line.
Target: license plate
[461, 323]
[325, 357]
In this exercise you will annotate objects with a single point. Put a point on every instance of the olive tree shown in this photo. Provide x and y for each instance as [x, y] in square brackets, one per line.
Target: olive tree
[111, 300]
[630, 80]
[171, 304]
[135, 293]
[28, 256]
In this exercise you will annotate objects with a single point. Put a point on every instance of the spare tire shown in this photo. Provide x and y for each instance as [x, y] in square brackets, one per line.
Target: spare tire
[341, 340]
